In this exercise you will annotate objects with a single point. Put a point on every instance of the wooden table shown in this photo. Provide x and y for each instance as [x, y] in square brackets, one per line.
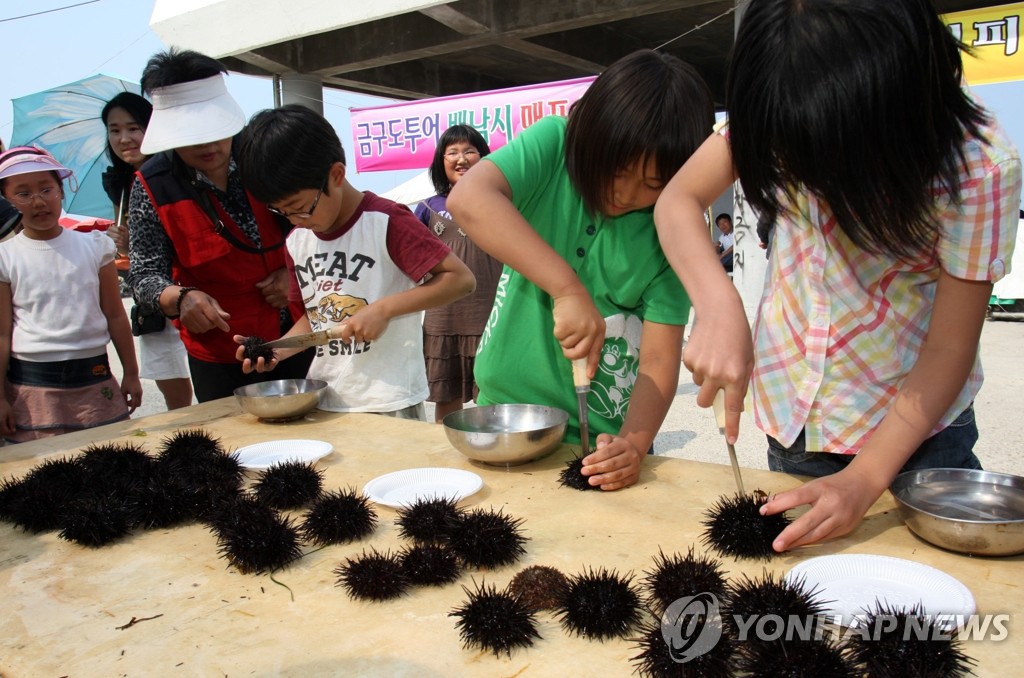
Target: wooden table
[63, 604]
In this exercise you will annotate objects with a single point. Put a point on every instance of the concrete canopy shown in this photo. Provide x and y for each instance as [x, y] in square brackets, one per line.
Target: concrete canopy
[412, 49]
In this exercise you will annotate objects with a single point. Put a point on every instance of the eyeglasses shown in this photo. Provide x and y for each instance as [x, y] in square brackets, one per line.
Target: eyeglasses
[24, 198]
[302, 215]
[468, 154]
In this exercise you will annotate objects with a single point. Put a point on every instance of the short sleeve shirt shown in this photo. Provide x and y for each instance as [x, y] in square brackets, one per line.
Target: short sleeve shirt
[620, 262]
[839, 329]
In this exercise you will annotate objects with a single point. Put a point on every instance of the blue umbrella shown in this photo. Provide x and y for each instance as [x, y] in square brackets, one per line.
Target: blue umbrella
[66, 122]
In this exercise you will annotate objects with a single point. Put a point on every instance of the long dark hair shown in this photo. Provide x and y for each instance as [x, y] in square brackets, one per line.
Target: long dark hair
[857, 101]
[120, 176]
[453, 135]
[645, 105]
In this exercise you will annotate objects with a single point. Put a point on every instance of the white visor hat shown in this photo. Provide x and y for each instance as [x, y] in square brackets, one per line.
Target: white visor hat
[191, 113]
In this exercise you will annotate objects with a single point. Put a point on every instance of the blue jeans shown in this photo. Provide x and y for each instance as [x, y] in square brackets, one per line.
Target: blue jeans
[952, 447]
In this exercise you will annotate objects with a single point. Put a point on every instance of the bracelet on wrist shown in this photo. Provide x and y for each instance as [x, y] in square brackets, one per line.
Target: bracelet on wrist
[181, 297]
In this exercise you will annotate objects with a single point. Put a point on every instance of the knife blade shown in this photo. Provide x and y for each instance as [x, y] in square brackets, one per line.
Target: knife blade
[719, 407]
[582, 383]
[306, 340]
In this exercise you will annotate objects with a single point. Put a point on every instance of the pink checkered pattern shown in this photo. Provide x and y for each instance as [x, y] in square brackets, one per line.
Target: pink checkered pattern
[838, 329]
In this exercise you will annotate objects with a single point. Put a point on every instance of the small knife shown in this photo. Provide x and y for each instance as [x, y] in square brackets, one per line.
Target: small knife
[719, 407]
[306, 340]
[582, 383]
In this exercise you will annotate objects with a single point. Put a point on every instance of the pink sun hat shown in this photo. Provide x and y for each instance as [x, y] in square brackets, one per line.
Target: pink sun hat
[25, 159]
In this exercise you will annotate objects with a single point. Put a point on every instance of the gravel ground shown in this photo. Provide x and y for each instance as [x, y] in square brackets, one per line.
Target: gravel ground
[690, 432]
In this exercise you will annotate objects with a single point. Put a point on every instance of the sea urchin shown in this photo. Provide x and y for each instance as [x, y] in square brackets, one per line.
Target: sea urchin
[373, 576]
[735, 527]
[494, 620]
[288, 485]
[254, 348]
[540, 587]
[339, 517]
[900, 642]
[600, 604]
[430, 564]
[677, 576]
[483, 538]
[429, 519]
[572, 476]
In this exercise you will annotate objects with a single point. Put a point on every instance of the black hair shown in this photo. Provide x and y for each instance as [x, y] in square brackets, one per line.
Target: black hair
[285, 150]
[857, 101]
[176, 66]
[119, 177]
[724, 215]
[645, 105]
[453, 135]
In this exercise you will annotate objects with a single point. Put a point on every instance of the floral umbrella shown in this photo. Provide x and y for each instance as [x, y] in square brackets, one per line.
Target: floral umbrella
[66, 122]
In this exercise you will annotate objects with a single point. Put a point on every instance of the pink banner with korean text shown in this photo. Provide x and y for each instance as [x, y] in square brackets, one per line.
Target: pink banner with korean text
[404, 136]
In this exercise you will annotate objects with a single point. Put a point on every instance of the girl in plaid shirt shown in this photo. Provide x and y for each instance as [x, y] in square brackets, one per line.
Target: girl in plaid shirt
[895, 197]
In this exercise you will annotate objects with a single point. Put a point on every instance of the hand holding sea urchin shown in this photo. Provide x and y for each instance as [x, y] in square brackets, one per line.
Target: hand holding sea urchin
[735, 527]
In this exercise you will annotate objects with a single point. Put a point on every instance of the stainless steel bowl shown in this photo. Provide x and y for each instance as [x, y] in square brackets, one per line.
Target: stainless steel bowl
[976, 512]
[281, 400]
[506, 435]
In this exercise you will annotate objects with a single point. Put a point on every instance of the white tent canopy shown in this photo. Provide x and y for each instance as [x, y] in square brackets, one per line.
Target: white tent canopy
[413, 191]
[201, 24]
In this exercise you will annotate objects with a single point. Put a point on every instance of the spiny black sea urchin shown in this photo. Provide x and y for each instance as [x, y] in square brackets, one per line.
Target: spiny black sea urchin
[494, 620]
[540, 587]
[483, 538]
[254, 538]
[659, 659]
[339, 517]
[822, 657]
[676, 576]
[288, 485]
[116, 466]
[37, 502]
[735, 527]
[189, 442]
[428, 520]
[600, 604]
[899, 642]
[430, 564]
[95, 518]
[770, 596]
[197, 475]
[572, 476]
[373, 576]
[256, 347]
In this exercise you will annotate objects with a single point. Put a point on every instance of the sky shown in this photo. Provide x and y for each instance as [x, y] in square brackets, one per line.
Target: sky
[57, 46]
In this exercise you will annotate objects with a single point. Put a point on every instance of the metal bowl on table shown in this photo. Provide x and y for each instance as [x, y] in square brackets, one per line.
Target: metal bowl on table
[282, 399]
[964, 510]
[506, 435]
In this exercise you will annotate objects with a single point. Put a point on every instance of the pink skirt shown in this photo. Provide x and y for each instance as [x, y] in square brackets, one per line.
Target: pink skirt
[44, 406]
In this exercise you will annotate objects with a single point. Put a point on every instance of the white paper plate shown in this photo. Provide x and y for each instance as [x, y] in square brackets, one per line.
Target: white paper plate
[402, 488]
[265, 455]
[851, 584]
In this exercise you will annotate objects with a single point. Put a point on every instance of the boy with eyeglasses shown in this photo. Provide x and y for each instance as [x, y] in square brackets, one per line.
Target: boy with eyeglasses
[358, 262]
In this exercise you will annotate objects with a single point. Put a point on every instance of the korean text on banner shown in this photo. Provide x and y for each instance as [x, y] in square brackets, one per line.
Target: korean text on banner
[994, 35]
[403, 136]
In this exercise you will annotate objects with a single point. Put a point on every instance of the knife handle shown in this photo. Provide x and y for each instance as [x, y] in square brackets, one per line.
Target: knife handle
[579, 374]
[719, 407]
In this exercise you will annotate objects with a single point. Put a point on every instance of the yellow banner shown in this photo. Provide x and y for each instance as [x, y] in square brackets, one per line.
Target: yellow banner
[994, 35]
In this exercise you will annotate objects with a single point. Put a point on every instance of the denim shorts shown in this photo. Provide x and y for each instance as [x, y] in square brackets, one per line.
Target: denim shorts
[952, 447]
